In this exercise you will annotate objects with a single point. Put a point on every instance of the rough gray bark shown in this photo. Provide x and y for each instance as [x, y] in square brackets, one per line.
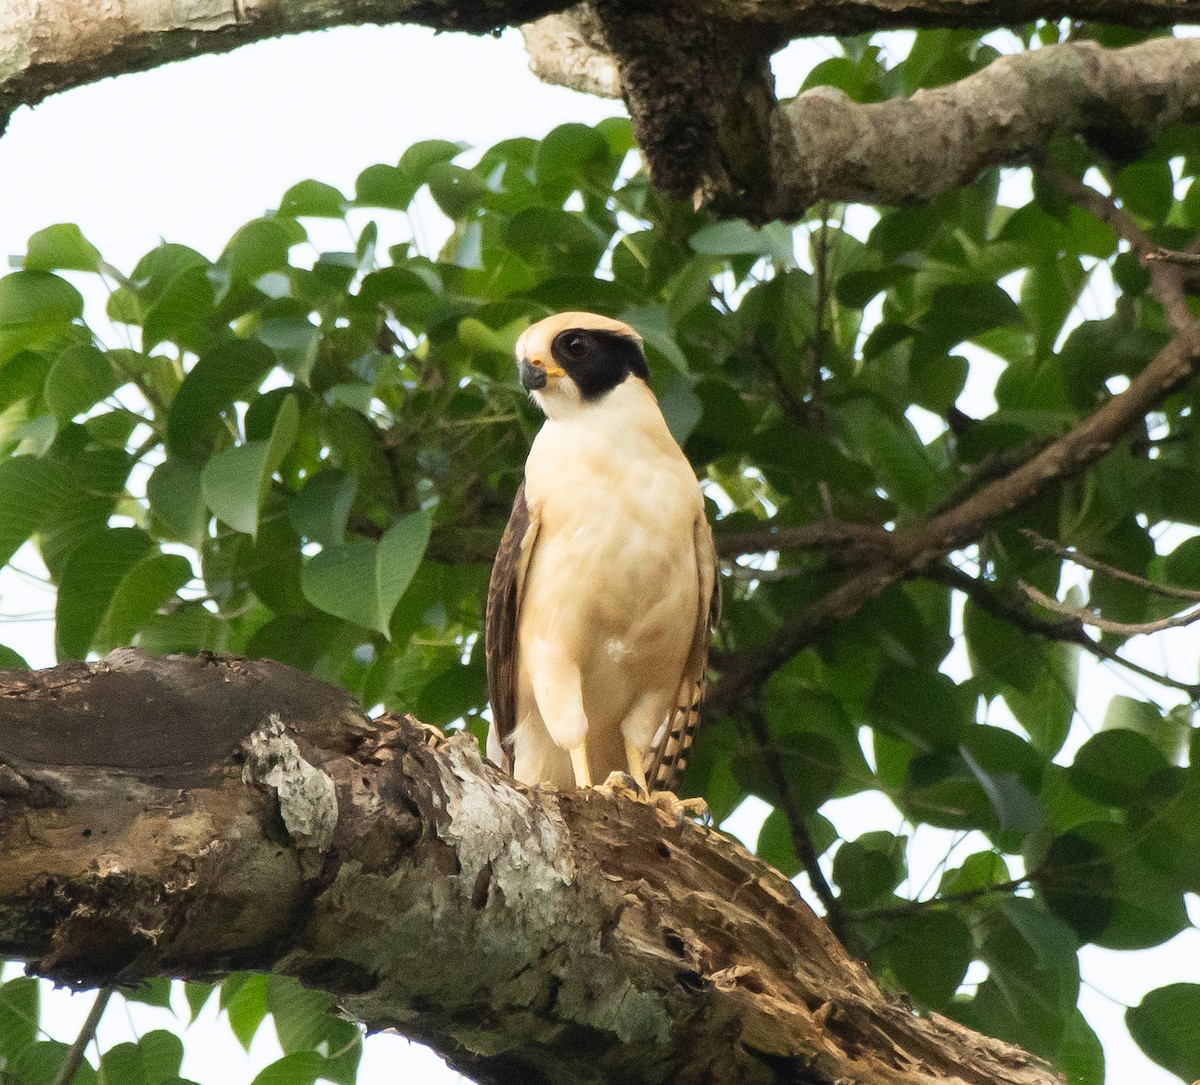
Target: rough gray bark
[186, 817]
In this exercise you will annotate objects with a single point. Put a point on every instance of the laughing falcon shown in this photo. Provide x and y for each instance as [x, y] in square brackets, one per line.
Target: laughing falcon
[604, 589]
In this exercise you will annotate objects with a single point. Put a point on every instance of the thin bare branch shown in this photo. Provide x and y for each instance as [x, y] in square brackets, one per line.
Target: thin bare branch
[1171, 256]
[1068, 629]
[1107, 625]
[940, 901]
[802, 843]
[1074, 556]
[868, 539]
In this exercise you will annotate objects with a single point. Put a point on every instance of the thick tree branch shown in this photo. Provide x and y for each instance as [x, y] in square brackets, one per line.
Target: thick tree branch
[48, 46]
[567, 49]
[696, 81]
[827, 146]
[186, 817]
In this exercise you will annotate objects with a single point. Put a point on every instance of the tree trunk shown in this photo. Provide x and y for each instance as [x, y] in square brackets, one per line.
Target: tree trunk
[191, 816]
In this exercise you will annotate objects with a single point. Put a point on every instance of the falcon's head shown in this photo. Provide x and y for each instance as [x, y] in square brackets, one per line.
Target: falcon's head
[573, 359]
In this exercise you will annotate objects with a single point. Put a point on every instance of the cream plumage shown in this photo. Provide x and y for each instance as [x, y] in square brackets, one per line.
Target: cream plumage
[604, 588]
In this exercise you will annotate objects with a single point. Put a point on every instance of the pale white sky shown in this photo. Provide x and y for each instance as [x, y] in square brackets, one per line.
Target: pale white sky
[188, 153]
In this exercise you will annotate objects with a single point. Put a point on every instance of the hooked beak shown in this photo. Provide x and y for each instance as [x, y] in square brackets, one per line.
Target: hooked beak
[535, 373]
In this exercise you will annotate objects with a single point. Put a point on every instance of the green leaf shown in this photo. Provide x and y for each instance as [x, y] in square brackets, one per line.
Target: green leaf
[151, 992]
[220, 377]
[978, 871]
[162, 1054]
[39, 1063]
[244, 999]
[363, 580]
[20, 1006]
[922, 707]
[144, 590]
[91, 483]
[234, 482]
[1100, 879]
[79, 379]
[197, 995]
[736, 237]
[1114, 766]
[418, 159]
[31, 487]
[122, 1064]
[319, 512]
[868, 869]
[1080, 1055]
[1014, 802]
[1047, 709]
[301, 1068]
[385, 186]
[1146, 188]
[183, 313]
[259, 247]
[775, 844]
[569, 158]
[153, 1060]
[11, 660]
[89, 580]
[959, 313]
[1164, 1026]
[1168, 731]
[305, 1021]
[313, 198]
[38, 297]
[62, 247]
[456, 190]
[176, 500]
[1033, 976]
[929, 953]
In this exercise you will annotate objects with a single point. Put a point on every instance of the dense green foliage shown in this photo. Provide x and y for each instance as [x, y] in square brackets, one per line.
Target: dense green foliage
[309, 455]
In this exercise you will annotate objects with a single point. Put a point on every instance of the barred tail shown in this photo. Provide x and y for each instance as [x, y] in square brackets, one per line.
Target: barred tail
[667, 757]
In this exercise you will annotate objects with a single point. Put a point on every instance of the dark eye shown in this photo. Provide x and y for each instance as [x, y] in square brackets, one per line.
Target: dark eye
[575, 344]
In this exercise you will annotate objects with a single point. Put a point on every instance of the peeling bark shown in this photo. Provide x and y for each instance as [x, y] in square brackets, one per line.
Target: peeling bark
[187, 817]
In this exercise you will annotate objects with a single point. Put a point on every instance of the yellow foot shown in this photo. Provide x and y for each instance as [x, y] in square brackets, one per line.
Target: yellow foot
[669, 806]
[673, 809]
[621, 783]
[579, 764]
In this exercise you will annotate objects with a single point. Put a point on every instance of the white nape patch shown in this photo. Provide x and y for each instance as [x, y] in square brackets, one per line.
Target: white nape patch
[617, 649]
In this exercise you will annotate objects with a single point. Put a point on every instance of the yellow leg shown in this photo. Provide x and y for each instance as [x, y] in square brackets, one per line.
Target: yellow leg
[634, 756]
[579, 763]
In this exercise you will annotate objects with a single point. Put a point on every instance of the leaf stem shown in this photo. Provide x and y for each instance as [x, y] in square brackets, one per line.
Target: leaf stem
[74, 1056]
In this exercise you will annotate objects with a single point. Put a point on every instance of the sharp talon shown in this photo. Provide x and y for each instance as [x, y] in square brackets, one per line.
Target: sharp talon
[621, 783]
[674, 809]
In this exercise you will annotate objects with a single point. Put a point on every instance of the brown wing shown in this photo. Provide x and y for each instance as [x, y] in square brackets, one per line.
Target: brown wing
[667, 758]
[500, 625]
